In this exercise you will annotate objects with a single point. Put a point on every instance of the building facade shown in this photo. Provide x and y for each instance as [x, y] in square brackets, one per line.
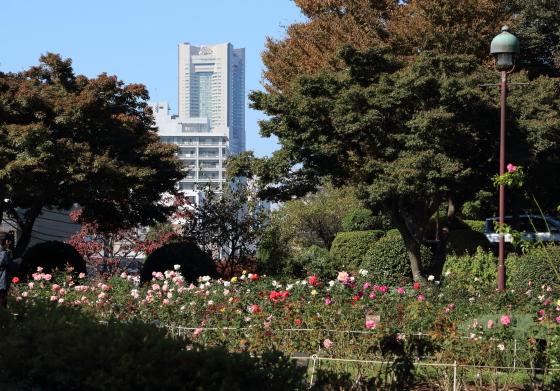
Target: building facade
[212, 85]
[201, 149]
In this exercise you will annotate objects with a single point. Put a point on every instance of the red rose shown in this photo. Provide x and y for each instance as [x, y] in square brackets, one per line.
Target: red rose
[15, 279]
[312, 280]
[416, 285]
[254, 277]
[298, 322]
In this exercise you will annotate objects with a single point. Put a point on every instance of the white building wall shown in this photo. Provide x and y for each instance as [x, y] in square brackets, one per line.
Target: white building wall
[203, 150]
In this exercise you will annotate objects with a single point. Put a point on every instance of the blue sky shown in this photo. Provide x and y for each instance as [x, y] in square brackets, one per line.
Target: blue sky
[137, 40]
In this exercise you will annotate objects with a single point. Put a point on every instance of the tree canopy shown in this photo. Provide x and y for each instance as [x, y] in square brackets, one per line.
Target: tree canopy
[67, 139]
[409, 135]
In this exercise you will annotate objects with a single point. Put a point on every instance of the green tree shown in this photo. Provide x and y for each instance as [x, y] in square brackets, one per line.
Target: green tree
[315, 219]
[409, 135]
[67, 139]
[228, 225]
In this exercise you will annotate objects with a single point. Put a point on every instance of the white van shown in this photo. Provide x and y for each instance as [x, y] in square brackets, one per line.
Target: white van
[534, 227]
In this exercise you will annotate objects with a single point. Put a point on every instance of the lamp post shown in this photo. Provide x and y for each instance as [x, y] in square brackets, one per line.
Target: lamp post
[504, 46]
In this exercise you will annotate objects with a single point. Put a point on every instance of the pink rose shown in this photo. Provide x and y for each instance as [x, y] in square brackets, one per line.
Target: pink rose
[490, 324]
[327, 343]
[370, 324]
[46, 276]
[420, 297]
[328, 301]
[383, 289]
[511, 167]
[82, 275]
[372, 295]
[55, 287]
[342, 276]
[39, 269]
[506, 320]
[401, 291]
[155, 287]
[367, 285]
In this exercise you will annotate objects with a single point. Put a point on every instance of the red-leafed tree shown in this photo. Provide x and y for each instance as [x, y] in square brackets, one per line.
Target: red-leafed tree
[110, 252]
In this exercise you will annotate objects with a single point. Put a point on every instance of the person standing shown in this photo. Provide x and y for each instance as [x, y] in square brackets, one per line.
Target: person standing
[8, 267]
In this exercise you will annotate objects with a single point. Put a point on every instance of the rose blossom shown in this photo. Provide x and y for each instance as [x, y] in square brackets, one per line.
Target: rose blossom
[383, 289]
[372, 295]
[312, 280]
[420, 297]
[367, 285]
[342, 276]
[506, 320]
[370, 324]
[511, 167]
[55, 287]
[416, 285]
[328, 343]
[328, 301]
[401, 291]
[490, 324]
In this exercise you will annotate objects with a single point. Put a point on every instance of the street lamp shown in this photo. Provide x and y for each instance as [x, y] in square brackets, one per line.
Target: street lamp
[504, 46]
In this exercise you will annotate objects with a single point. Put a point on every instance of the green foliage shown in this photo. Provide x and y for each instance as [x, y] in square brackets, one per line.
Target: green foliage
[365, 220]
[389, 260]
[475, 225]
[233, 221]
[57, 347]
[194, 262]
[316, 219]
[51, 255]
[540, 267]
[475, 269]
[463, 241]
[319, 262]
[275, 258]
[350, 248]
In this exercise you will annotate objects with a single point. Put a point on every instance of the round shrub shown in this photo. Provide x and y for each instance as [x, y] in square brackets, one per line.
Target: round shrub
[365, 220]
[318, 262]
[388, 261]
[192, 260]
[51, 255]
[539, 266]
[349, 248]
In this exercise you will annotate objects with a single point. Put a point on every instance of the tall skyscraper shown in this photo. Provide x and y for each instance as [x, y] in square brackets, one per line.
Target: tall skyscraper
[212, 85]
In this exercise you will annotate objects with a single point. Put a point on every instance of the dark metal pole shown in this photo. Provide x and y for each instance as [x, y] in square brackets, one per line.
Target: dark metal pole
[501, 252]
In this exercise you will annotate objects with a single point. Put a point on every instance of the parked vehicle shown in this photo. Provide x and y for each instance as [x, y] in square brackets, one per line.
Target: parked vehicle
[532, 227]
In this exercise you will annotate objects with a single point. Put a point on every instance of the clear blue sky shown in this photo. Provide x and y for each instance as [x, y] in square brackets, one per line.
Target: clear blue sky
[137, 40]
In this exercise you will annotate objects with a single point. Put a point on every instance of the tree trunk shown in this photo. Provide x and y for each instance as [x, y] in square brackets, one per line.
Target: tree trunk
[445, 229]
[26, 227]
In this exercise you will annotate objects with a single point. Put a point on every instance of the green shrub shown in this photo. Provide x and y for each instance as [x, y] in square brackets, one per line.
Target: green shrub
[466, 241]
[317, 261]
[388, 260]
[474, 270]
[476, 225]
[53, 347]
[538, 266]
[51, 255]
[365, 220]
[192, 260]
[349, 248]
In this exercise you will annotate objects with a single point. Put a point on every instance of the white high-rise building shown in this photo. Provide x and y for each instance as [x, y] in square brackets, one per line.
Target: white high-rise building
[201, 149]
[212, 85]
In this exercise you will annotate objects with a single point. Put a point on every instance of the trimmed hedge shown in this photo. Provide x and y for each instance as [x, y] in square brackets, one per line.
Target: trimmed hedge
[539, 266]
[476, 225]
[466, 241]
[388, 260]
[193, 261]
[51, 255]
[52, 347]
[350, 248]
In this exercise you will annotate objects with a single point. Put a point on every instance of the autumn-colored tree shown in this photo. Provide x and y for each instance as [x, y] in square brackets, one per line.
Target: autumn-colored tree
[112, 252]
[67, 139]
[409, 27]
